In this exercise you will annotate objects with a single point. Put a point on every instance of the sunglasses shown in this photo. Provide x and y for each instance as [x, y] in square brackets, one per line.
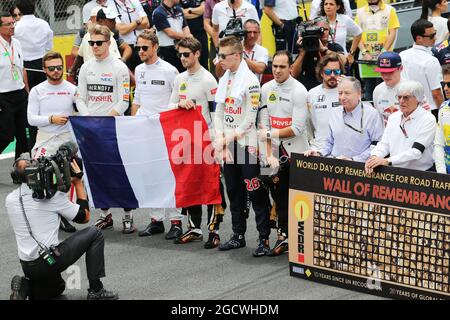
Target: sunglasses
[99, 43]
[184, 54]
[431, 36]
[144, 48]
[223, 56]
[337, 72]
[53, 68]
[445, 84]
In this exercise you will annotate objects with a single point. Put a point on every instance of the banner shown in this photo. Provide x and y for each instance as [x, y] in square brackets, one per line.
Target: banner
[386, 234]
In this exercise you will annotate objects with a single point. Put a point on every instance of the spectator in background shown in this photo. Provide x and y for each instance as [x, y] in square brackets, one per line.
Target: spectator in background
[442, 140]
[171, 26]
[133, 21]
[149, 6]
[284, 15]
[304, 67]
[36, 38]
[432, 11]
[379, 23]
[193, 12]
[84, 29]
[208, 26]
[341, 26]
[15, 13]
[420, 65]
[315, 9]
[409, 134]
[87, 9]
[353, 128]
[441, 50]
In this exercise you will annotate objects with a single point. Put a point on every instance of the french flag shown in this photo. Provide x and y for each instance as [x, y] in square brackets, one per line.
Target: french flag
[163, 161]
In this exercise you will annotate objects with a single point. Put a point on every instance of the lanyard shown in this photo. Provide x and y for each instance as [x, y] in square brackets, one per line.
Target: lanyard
[361, 125]
[247, 55]
[6, 54]
[333, 32]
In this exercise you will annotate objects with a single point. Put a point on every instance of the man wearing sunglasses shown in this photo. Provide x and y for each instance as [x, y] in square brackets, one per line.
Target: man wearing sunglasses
[194, 88]
[420, 65]
[154, 84]
[442, 141]
[353, 129]
[104, 90]
[49, 106]
[409, 135]
[238, 102]
[324, 98]
[286, 101]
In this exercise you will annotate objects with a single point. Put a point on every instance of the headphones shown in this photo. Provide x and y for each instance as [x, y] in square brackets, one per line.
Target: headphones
[18, 176]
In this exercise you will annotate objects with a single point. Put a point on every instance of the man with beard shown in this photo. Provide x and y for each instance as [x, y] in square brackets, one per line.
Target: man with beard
[49, 106]
[154, 84]
[323, 98]
[195, 88]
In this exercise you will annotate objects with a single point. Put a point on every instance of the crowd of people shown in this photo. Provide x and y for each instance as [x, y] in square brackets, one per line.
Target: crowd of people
[140, 58]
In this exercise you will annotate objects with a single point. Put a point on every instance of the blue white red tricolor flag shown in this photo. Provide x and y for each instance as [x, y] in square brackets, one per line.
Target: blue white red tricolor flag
[148, 162]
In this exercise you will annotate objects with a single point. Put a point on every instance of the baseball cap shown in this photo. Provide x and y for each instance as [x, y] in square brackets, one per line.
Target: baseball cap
[107, 13]
[388, 62]
[95, 11]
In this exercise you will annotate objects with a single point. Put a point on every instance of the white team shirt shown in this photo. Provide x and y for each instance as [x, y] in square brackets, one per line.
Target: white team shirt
[287, 107]
[222, 13]
[46, 99]
[11, 55]
[43, 216]
[129, 10]
[154, 85]
[321, 102]
[103, 85]
[258, 54]
[421, 128]
[285, 9]
[420, 65]
[385, 100]
[440, 24]
[35, 36]
[87, 9]
[200, 86]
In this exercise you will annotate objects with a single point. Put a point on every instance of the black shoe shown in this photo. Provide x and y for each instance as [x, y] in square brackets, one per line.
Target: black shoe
[20, 288]
[280, 247]
[213, 241]
[262, 249]
[154, 227]
[64, 225]
[175, 232]
[102, 294]
[236, 241]
[189, 236]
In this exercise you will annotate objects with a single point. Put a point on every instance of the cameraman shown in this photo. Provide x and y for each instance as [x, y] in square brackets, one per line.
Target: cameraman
[35, 224]
[304, 67]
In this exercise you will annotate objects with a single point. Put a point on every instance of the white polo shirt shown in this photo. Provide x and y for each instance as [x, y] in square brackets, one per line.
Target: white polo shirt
[35, 36]
[321, 102]
[420, 65]
[46, 99]
[44, 217]
[404, 148]
[129, 10]
[11, 66]
[87, 8]
[258, 54]
[385, 100]
[284, 9]
[154, 85]
[222, 13]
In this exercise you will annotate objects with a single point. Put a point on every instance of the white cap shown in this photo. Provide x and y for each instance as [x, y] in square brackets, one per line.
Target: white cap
[94, 11]
[110, 14]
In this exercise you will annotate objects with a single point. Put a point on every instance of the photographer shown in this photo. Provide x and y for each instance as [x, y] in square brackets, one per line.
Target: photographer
[42, 256]
[304, 67]
[285, 99]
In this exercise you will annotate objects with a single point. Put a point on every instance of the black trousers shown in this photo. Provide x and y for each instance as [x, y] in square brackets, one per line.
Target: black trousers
[280, 193]
[240, 178]
[13, 120]
[285, 38]
[34, 78]
[215, 217]
[134, 60]
[46, 281]
[169, 54]
[203, 38]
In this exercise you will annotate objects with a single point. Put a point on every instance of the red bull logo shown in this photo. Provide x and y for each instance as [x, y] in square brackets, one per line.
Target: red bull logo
[386, 63]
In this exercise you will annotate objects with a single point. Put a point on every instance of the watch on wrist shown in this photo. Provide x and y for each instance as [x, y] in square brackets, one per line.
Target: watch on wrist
[268, 135]
[190, 11]
[138, 21]
[351, 52]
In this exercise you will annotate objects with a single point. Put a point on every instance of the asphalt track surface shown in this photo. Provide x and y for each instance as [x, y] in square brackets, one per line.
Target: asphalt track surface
[154, 268]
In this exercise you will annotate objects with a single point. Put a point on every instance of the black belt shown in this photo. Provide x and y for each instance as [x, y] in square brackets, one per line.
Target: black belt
[31, 263]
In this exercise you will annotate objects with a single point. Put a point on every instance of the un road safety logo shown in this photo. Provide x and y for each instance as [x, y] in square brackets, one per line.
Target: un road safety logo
[272, 97]
[302, 208]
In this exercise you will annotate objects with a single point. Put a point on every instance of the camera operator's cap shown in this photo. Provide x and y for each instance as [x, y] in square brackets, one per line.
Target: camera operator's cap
[107, 13]
[388, 62]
